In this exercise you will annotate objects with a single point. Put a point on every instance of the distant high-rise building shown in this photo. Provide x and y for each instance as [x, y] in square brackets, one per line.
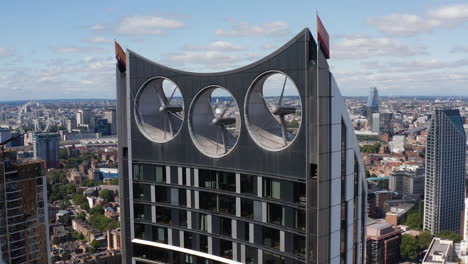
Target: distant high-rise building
[110, 115]
[373, 99]
[445, 172]
[375, 124]
[407, 179]
[24, 231]
[206, 178]
[71, 124]
[372, 106]
[46, 147]
[5, 134]
[385, 123]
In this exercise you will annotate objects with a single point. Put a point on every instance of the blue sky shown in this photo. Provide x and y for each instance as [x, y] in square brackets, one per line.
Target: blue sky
[63, 49]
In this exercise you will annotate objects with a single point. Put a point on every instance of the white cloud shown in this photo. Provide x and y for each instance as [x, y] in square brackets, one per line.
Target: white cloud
[423, 65]
[403, 24]
[7, 52]
[363, 46]
[408, 24]
[215, 46]
[147, 25]
[100, 40]
[75, 49]
[457, 12]
[97, 27]
[245, 29]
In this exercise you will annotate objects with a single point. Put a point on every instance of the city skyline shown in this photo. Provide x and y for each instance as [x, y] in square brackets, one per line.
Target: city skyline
[408, 49]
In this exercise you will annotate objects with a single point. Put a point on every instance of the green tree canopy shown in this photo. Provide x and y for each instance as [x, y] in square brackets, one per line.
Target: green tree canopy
[425, 239]
[107, 195]
[374, 148]
[445, 234]
[409, 247]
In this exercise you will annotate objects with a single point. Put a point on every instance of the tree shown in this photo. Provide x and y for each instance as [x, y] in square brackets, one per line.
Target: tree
[102, 223]
[425, 239]
[96, 210]
[107, 195]
[445, 234]
[409, 247]
[81, 216]
[374, 148]
[95, 244]
[414, 218]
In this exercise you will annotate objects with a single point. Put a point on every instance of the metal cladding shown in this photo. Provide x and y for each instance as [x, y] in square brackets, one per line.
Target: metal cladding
[237, 182]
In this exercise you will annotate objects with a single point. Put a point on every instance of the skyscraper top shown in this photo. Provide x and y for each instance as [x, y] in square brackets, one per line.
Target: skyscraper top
[454, 116]
[373, 99]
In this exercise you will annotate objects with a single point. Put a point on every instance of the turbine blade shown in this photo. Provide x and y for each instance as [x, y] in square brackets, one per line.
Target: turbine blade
[267, 103]
[171, 128]
[165, 128]
[283, 130]
[225, 109]
[160, 94]
[174, 114]
[213, 110]
[224, 139]
[217, 139]
[280, 100]
[172, 94]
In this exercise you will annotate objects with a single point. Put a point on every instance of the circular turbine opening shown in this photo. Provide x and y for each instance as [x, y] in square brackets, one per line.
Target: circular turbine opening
[273, 111]
[159, 109]
[214, 121]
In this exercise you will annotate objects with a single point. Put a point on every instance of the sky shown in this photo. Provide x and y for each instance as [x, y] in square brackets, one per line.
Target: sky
[64, 49]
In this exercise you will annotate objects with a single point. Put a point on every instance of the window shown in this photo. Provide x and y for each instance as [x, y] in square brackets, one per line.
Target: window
[160, 174]
[248, 184]
[188, 238]
[207, 179]
[162, 194]
[300, 193]
[271, 237]
[275, 214]
[227, 181]
[300, 220]
[227, 204]
[208, 201]
[299, 245]
[137, 172]
[225, 226]
[203, 222]
[251, 255]
[182, 197]
[225, 248]
[182, 218]
[159, 234]
[271, 188]
[142, 211]
[141, 192]
[203, 243]
[247, 208]
[163, 215]
[243, 230]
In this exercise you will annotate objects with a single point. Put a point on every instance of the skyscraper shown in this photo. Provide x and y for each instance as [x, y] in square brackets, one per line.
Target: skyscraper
[46, 147]
[24, 232]
[255, 165]
[373, 99]
[445, 172]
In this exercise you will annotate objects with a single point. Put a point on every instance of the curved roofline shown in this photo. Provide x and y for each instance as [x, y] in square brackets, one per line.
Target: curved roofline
[304, 32]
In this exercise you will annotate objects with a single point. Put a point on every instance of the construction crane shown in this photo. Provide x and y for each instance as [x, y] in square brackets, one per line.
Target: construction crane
[3, 144]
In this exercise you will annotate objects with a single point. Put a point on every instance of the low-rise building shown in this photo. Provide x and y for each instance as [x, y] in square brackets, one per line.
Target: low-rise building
[89, 232]
[440, 251]
[383, 244]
